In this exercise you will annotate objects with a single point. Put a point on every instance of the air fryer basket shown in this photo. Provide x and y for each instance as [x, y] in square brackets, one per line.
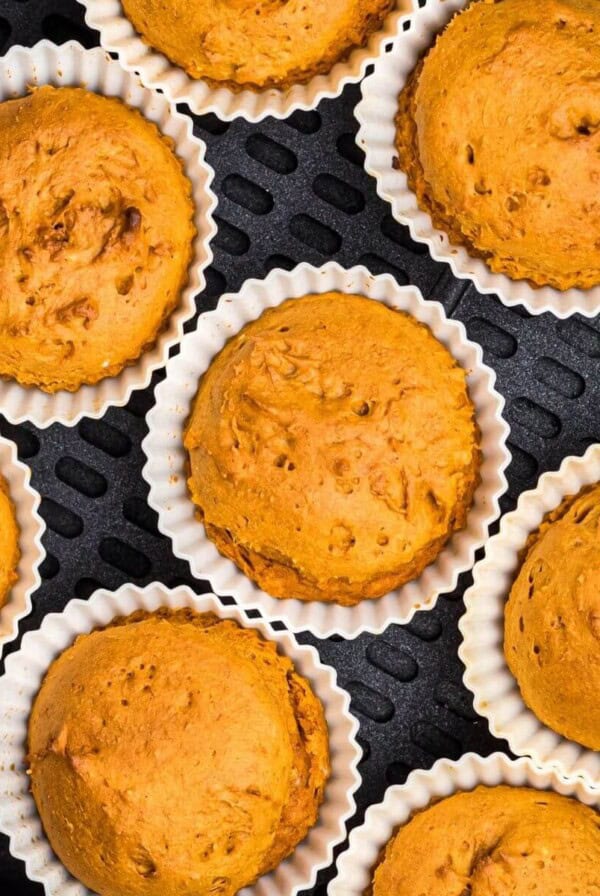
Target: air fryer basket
[295, 191]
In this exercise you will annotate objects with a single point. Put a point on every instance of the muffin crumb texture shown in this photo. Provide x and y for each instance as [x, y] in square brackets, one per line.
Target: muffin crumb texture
[175, 754]
[96, 225]
[498, 131]
[257, 44]
[492, 841]
[552, 620]
[333, 449]
[9, 543]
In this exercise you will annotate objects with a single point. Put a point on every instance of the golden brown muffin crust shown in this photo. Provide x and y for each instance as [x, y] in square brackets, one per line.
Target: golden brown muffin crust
[498, 131]
[499, 841]
[175, 754]
[257, 43]
[10, 553]
[95, 236]
[552, 620]
[333, 448]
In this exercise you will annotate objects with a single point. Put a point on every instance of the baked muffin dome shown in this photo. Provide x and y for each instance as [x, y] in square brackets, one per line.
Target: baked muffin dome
[333, 448]
[552, 620]
[9, 543]
[175, 754]
[95, 228]
[499, 840]
[499, 134]
[257, 43]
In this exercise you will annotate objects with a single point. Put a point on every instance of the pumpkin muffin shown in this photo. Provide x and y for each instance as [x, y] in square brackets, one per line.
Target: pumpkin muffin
[257, 43]
[9, 543]
[498, 131]
[333, 449]
[498, 840]
[95, 234]
[175, 754]
[552, 620]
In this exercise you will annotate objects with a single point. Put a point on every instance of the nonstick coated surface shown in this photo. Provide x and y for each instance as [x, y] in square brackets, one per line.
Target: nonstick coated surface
[288, 192]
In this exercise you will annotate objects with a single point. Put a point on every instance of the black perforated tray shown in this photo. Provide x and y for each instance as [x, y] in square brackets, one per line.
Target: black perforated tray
[288, 192]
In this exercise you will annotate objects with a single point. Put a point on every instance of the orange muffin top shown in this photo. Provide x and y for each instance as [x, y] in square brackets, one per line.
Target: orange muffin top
[95, 232]
[499, 133]
[9, 543]
[333, 448]
[495, 840]
[175, 754]
[256, 43]
[552, 620]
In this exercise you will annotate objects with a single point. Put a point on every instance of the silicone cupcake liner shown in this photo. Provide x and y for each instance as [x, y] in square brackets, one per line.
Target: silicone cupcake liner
[72, 65]
[24, 673]
[166, 473]
[376, 114]
[118, 35]
[356, 865]
[497, 694]
[26, 502]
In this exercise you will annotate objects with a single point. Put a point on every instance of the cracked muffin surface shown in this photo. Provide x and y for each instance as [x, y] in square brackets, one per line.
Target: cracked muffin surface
[96, 225]
[257, 43]
[332, 448]
[498, 131]
[175, 753]
[490, 841]
[552, 620]
[9, 543]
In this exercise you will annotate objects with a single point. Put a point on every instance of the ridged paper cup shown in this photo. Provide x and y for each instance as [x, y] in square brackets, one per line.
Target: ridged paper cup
[166, 469]
[497, 694]
[22, 679]
[376, 114]
[356, 865]
[118, 35]
[26, 502]
[73, 66]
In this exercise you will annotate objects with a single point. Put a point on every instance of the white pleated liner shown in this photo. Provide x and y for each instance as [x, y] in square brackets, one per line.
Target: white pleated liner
[118, 35]
[26, 502]
[376, 114]
[166, 469]
[22, 679]
[71, 65]
[497, 694]
[356, 865]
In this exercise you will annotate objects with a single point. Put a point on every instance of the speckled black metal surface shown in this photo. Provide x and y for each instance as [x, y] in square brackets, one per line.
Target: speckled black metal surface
[293, 191]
